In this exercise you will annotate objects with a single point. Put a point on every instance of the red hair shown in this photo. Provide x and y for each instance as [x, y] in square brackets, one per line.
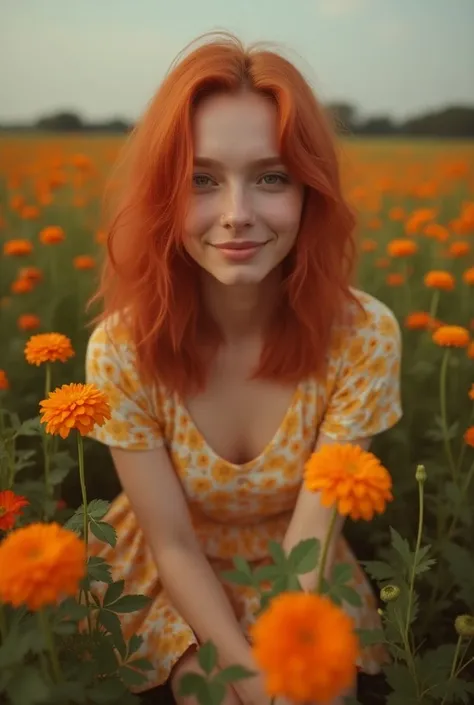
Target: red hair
[147, 273]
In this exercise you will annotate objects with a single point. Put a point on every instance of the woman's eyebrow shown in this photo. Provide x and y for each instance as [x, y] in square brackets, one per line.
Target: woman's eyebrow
[262, 162]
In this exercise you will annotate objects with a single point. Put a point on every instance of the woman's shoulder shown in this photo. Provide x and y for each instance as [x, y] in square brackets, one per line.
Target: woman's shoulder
[368, 315]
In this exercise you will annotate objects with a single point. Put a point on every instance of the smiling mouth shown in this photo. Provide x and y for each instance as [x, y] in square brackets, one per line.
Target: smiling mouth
[242, 245]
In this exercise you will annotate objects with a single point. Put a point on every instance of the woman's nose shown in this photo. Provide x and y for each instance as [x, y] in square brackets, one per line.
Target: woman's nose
[238, 211]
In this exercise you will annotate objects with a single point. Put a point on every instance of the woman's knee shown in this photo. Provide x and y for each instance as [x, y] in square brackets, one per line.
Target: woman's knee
[188, 663]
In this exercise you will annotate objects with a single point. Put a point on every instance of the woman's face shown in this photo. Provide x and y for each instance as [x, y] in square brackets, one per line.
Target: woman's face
[245, 207]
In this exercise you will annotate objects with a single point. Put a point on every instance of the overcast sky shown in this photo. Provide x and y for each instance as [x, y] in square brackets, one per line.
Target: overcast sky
[105, 58]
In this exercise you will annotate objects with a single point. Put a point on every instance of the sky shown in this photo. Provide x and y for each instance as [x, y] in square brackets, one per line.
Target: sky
[105, 58]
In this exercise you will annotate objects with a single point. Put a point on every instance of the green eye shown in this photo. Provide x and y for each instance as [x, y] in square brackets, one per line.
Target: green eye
[273, 179]
[202, 181]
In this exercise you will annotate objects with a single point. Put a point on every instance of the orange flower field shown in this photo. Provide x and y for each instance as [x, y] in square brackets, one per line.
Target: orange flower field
[408, 503]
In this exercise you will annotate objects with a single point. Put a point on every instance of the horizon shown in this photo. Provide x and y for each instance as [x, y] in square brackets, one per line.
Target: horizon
[399, 59]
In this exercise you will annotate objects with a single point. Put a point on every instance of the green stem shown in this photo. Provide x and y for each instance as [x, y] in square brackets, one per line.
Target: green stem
[444, 414]
[434, 303]
[464, 445]
[85, 526]
[453, 667]
[324, 555]
[49, 638]
[415, 557]
[407, 286]
[46, 440]
[3, 623]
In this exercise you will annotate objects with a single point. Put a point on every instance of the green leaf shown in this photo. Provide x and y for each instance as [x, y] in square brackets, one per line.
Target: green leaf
[293, 584]
[216, 691]
[402, 547]
[70, 609]
[278, 555]
[194, 684]
[242, 565]
[233, 673]
[342, 573]
[30, 427]
[265, 573]
[134, 644]
[104, 532]
[97, 509]
[461, 567]
[379, 570]
[17, 645]
[99, 570]
[27, 687]
[111, 623]
[207, 657]
[57, 475]
[370, 637]
[304, 556]
[131, 678]
[349, 595]
[130, 603]
[75, 522]
[238, 578]
[114, 591]
[142, 664]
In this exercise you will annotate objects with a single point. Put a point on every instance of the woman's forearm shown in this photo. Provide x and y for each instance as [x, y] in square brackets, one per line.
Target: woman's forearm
[200, 599]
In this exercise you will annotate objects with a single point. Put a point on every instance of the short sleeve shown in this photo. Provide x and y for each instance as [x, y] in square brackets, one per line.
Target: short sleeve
[365, 398]
[111, 366]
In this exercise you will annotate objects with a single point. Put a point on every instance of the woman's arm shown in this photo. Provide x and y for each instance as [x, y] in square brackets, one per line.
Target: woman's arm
[311, 520]
[156, 496]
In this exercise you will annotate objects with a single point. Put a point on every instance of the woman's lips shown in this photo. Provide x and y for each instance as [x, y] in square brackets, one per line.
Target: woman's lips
[239, 251]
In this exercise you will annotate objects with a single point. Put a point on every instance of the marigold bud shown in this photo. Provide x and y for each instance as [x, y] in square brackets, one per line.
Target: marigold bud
[420, 473]
[389, 593]
[464, 625]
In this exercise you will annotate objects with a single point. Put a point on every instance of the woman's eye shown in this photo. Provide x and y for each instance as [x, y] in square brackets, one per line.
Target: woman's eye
[202, 181]
[274, 179]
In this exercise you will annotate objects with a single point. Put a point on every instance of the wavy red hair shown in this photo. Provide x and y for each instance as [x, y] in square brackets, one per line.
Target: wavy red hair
[148, 277]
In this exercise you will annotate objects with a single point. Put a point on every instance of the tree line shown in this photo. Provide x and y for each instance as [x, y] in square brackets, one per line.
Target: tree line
[450, 121]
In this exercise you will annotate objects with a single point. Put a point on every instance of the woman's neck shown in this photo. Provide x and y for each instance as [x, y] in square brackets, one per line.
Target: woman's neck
[242, 311]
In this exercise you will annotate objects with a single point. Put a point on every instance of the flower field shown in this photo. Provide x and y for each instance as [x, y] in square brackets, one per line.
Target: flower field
[416, 239]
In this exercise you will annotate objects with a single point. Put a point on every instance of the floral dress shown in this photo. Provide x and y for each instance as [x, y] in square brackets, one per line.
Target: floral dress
[237, 509]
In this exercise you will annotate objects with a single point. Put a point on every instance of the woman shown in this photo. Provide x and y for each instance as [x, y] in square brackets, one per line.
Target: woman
[231, 346]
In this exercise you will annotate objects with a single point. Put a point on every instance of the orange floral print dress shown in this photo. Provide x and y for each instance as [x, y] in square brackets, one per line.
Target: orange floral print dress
[237, 509]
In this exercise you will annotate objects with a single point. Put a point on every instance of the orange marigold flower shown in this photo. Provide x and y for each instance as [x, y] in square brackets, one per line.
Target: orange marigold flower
[470, 350]
[11, 506]
[297, 631]
[30, 213]
[33, 273]
[419, 320]
[51, 235]
[468, 276]
[3, 380]
[351, 478]
[17, 202]
[402, 248]
[437, 232]
[79, 406]
[471, 392]
[17, 248]
[84, 262]
[368, 245]
[468, 437]
[40, 564]
[451, 336]
[395, 279]
[438, 279]
[397, 213]
[48, 347]
[22, 286]
[28, 321]
[459, 249]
